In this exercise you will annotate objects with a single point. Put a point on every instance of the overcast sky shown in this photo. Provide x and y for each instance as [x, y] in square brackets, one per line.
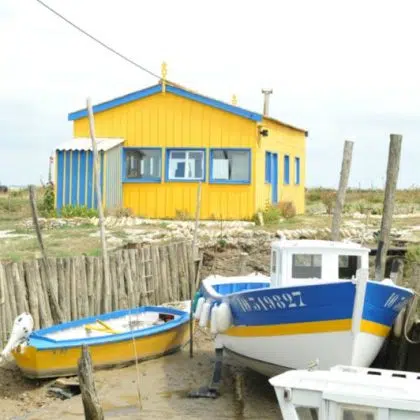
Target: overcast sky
[340, 69]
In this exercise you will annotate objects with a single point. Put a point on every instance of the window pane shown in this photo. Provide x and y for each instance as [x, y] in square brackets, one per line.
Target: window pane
[273, 261]
[348, 266]
[230, 165]
[306, 266]
[143, 163]
[358, 414]
[186, 165]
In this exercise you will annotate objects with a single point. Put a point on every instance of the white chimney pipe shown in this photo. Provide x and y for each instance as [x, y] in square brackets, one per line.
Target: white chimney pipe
[266, 93]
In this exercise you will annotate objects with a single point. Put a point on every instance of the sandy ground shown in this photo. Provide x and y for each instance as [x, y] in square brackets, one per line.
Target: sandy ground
[164, 384]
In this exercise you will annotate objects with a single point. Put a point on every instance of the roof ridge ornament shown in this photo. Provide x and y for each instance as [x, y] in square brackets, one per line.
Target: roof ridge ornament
[164, 72]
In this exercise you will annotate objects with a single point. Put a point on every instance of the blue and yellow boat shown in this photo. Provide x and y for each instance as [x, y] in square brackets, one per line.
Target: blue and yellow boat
[115, 338]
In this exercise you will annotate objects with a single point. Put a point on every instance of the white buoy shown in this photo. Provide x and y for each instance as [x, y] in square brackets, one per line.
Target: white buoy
[22, 328]
[205, 313]
[213, 319]
[224, 317]
[199, 308]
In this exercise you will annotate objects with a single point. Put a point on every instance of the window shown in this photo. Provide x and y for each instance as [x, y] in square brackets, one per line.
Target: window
[348, 266]
[286, 175]
[230, 166]
[185, 165]
[142, 164]
[355, 412]
[306, 266]
[297, 170]
[267, 166]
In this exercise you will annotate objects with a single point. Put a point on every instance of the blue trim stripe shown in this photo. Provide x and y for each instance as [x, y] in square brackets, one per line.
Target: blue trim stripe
[286, 173]
[82, 176]
[230, 182]
[134, 96]
[60, 175]
[74, 175]
[297, 170]
[38, 340]
[268, 167]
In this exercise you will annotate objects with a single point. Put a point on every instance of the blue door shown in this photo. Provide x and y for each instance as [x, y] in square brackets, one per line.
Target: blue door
[274, 178]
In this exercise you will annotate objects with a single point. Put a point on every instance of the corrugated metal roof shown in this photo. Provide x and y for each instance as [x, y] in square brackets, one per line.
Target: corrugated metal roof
[85, 143]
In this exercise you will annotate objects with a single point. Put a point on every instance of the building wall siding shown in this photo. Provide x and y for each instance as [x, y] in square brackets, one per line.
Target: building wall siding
[283, 141]
[113, 186]
[166, 120]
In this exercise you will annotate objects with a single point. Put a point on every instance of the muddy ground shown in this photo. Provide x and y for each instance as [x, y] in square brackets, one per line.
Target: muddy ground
[164, 384]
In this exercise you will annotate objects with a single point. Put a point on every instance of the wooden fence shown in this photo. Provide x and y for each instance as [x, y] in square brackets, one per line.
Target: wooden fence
[149, 275]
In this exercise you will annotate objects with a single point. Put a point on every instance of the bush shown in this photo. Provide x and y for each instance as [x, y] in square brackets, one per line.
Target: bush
[78, 211]
[47, 206]
[182, 215]
[120, 212]
[328, 199]
[271, 215]
[287, 209]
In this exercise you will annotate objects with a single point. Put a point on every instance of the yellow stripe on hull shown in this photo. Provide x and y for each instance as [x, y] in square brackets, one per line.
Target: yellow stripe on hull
[374, 328]
[36, 363]
[306, 328]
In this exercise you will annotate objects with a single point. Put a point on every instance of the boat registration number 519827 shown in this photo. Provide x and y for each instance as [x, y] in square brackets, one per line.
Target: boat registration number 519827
[268, 303]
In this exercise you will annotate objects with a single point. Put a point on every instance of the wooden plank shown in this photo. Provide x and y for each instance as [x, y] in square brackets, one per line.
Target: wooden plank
[114, 281]
[11, 291]
[3, 320]
[67, 286]
[52, 265]
[83, 289]
[166, 290]
[43, 276]
[133, 255]
[90, 285]
[173, 271]
[122, 295]
[29, 267]
[182, 272]
[73, 289]
[155, 298]
[20, 289]
[143, 298]
[99, 282]
[44, 318]
[61, 283]
[23, 283]
[148, 281]
[128, 279]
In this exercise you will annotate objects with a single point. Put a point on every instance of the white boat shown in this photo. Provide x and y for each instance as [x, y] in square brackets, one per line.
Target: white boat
[316, 307]
[348, 393]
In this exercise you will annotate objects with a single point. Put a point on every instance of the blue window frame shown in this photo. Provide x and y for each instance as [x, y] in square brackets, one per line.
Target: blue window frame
[185, 165]
[142, 164]
[230, 166]
[297, 170]
[286, 173]
[268, 167]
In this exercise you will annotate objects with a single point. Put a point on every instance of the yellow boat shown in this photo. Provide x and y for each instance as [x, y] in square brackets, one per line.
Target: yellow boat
[114, 338]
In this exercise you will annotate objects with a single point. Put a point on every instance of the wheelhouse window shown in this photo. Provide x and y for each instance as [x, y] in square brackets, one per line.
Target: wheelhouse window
[143, 164]
[306, 266]
[352, 412]
[348, 266]
[230, 166]
[273, 261]
[185, 165]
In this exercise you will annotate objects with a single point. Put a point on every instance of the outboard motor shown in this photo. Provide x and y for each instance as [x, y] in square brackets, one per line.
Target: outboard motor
[22, 328]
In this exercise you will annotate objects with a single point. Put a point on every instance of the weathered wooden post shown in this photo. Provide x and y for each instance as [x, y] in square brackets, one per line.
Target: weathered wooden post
[107, 293]
[242, 263]
[91, 404]
[341, 193]
[195, 256]
[56, 312]
[389, 200]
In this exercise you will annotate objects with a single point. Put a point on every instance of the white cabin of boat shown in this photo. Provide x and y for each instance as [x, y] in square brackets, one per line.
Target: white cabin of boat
[347, 392]
[315, 261]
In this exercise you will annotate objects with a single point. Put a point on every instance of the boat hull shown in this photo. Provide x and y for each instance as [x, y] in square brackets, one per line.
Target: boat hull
[275, 329]
[36, 363]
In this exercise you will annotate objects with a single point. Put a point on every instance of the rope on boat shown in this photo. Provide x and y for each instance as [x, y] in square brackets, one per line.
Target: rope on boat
[137, 361]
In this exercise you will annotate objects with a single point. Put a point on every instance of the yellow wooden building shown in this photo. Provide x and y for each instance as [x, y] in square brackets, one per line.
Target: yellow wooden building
[171, 138]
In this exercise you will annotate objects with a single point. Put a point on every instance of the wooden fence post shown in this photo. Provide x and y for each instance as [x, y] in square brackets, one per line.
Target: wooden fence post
[389, 200]
[56, 312]
[91, 405]
[107, 297]
[341, 193]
